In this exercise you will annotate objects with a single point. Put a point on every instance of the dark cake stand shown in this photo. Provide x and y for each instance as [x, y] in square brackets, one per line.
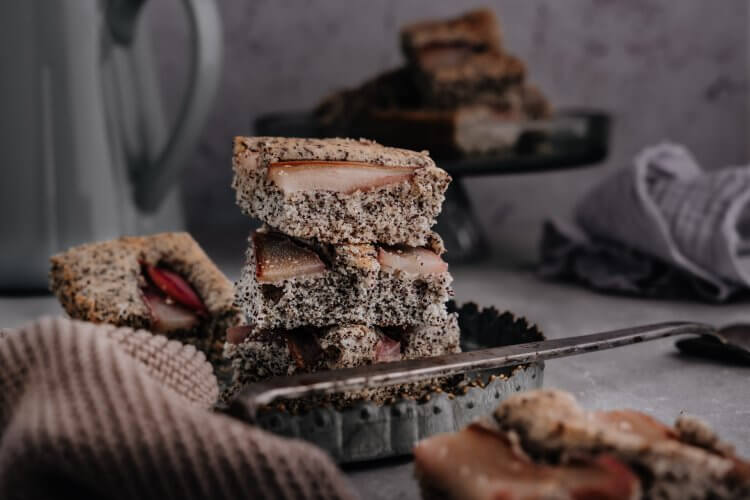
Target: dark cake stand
[570, 139]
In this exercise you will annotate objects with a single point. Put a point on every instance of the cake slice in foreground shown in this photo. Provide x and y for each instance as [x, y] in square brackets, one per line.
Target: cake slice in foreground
[684, 461]
[339, 190]
[164, 283]
[483, 463]
[542, 444]
[288, 283]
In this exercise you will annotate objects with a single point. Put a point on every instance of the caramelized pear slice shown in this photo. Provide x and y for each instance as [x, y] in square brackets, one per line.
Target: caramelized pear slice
[304, 347]
[339, 176]
[387, 349]
[635, 422]
[168, 317]
[237, 334]
[414, 261]
[278, 258]
[440, 55]
[176, 288]
[483, 463]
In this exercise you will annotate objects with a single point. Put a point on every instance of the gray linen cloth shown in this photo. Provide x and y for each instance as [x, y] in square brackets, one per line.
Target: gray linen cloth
[661, 227]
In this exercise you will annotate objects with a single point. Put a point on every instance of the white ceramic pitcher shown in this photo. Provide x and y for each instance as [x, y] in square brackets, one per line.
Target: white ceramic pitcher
[85, 150]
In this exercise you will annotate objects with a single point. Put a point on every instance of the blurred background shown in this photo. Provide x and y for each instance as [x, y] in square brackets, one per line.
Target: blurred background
[93, 90]
[664, 70]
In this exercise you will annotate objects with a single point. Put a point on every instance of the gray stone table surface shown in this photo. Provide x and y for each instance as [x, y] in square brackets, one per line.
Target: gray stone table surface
[651, 377]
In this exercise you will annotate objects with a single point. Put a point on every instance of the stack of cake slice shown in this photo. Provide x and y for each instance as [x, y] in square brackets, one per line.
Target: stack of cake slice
[346, 272]
[461, 61]
[460, 92]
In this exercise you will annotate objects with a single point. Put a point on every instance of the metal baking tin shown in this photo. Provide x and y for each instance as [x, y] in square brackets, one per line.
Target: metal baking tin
[368, 431]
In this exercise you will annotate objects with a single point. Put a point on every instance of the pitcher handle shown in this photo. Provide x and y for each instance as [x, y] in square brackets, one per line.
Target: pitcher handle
[152, 183]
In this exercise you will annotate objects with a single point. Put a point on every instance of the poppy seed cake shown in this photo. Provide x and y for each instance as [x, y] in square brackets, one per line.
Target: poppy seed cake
[339, 190]
[288, 283]
[685, 461]
[105, 282]
[460, 61]
[492, 466]
[481, 79]
[259, 354]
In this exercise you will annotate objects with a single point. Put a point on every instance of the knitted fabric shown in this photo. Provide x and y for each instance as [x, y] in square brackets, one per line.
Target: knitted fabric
[95, 411]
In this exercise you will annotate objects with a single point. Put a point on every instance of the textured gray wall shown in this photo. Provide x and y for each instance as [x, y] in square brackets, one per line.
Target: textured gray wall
[665, 69]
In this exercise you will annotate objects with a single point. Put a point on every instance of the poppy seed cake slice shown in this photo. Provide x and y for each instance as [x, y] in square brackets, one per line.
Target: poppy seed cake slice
[289, 283]
[492, 466]
[473, 32]
[460, 61]
[487, 78]
[258, 354]
[684, 461]
[339, 190]
[164, 283]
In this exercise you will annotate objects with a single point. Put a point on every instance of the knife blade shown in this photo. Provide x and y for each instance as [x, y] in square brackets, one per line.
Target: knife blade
[400, 372]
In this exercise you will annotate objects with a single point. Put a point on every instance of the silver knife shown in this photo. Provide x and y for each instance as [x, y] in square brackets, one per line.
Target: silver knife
[400, 372]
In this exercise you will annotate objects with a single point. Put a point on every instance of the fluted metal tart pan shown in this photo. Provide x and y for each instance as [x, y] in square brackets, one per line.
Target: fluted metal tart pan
[368, 431]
